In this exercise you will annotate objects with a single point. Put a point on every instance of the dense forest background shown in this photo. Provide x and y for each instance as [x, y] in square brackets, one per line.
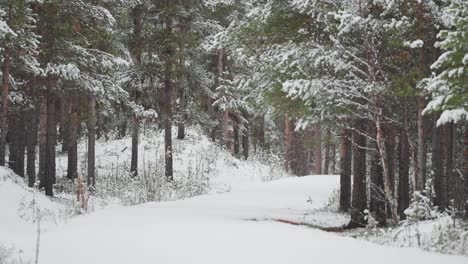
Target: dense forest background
[374, 90]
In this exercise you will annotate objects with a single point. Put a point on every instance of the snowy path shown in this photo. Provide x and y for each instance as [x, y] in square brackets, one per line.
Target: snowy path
[215, 229]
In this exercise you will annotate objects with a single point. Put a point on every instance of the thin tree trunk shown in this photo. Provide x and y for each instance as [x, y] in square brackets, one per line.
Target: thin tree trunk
[421, 176]
[42, 142]
[333, 159]
[245, 140]
[5, 92]
[465, 168]
[359, 197]
[92, 142]
[72, 166]
[326, 164]
[135, 139]
[20, 145]
[377, 197]
[51, 137]
[180, 81]
[65, 110]
[387, 171]
[236, 137]
[168, 109]
[31, 142]
[345, 170]
[287, 141]
[317, 149]
[261, 132]
[403, 172]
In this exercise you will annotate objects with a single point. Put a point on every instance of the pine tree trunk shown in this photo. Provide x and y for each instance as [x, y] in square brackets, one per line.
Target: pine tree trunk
[168, 107]
[12, 137]
[31, 142]
[135, 139]
[465, 168]
[137, 49]
[72, 165]
[345, 170]
[64, 130]
[236, 138]
[388, 178]
[326, 164]
[438, 160]
[403, 173]
[20, 145]
[51, 138]
[42, 142]
[5, 92]
[245, 141]
[377, 197]
[261, 132]
[333, 159]
[317, 150]
[287, 141]
[421, 176]
[92, 142]
[180, 79]
[359, 197]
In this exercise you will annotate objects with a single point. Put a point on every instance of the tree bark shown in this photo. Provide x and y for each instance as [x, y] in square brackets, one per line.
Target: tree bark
[135, 139]
[317, 150]
[42, 142]
[345, 170]
[72, 166]
[236, 138]
[245, 141]
[31, 142]
[326, 164]
[403, 172]
[261, 132]
[359, 197]
[422, 156]
[51, 137]
[180, 81]
[287, 141]
[92, 142]
[5, 92]
[438, 134]
[168, 108]
[377, 197]
[465, 168]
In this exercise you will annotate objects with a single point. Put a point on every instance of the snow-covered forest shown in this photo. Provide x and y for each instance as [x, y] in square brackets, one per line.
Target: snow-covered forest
[233, 131]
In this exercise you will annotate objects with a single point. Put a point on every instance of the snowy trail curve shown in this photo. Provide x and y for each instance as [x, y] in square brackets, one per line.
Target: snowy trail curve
[213, 229]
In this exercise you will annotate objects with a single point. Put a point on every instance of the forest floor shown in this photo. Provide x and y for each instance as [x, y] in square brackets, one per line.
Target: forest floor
[239, 220]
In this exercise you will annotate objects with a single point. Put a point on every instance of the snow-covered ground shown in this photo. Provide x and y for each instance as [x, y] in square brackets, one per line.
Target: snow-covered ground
[234, 221]
[219, 228]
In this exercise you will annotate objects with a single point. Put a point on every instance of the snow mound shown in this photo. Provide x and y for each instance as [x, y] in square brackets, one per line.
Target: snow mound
[21, 207]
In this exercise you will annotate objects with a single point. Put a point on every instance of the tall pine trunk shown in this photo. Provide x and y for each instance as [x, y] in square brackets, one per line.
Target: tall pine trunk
[42, 142]
[92, 142]
[359, 197]
[421, 174]
[51, 137]
[403, 174]
[345, 170]
[438, 155]
[317, 149]
[236, 137]
[326, 164]
[72, 134]
[180, 82]
[135, 139]
[465, 168]
[168, 107]
[5, 92]
[31, 142]
[287, 142]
